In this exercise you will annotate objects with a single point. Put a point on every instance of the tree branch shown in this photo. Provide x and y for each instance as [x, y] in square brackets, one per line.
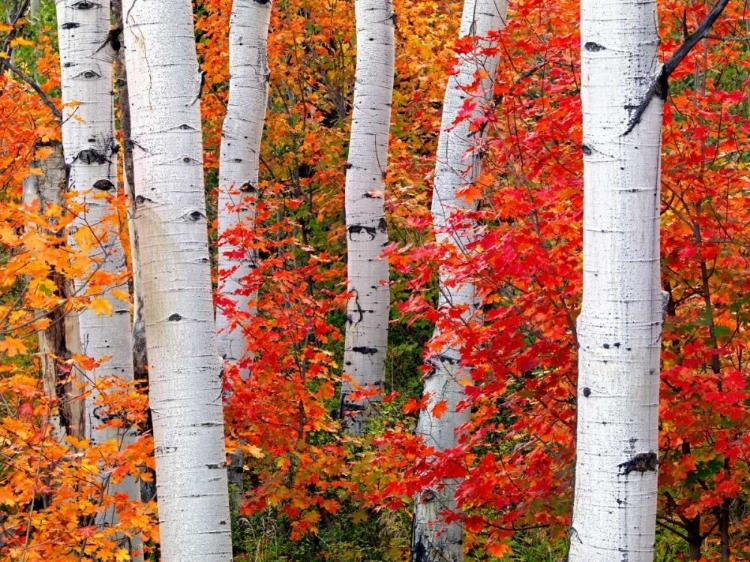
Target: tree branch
[18, 72]
[660, 85]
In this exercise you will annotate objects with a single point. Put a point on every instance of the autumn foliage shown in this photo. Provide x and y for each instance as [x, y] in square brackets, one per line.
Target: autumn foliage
[304, 478]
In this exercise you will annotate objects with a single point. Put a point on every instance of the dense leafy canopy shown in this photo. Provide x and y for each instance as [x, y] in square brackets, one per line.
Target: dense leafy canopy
[313, 492]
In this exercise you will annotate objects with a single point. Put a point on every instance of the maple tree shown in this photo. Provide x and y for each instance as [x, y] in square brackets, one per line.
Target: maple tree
[312, 491]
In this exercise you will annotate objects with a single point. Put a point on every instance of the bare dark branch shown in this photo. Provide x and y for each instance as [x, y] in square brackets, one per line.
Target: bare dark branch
[18, 72]
[660, 86]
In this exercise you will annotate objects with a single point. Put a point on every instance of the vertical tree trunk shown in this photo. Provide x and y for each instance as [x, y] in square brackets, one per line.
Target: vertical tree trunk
[56, 341]
[90, 154]
[184, 365]
[619, 329]
[239, 167]
[368, 308]
[140, 358]
[432, 539]
[91, 158]
[238, 179]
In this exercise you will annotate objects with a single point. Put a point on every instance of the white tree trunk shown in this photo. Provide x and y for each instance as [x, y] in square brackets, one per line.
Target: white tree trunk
[184, 365]
[49, 189]
[619, 329]
[368, 308]
[238, 184]
[91, 157]
[433, 540]
[239, 166]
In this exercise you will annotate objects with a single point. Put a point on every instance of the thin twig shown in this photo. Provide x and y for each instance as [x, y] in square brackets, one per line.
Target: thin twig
[18, 72]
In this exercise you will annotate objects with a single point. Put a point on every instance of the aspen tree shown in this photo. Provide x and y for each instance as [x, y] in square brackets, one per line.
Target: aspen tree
[185, 392]
[432, 539]
[239, 166]
[43, 190]
[619, 329]
[242, 133]
[90, 153]
[368, 308]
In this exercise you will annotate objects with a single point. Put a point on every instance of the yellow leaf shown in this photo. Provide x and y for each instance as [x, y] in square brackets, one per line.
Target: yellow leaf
[101, 306]
[4, 27]
[120, 294]
[254, 451]
[12, 347]
[122, 555]
[91, 467]
[21, 42]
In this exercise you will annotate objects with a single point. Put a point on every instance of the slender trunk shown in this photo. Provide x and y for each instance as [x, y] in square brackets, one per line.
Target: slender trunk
[140, 358]
[724, 523]
[184, 365]
[49, 189]
[695, 539]
[239, 167]
[91, 157]
[432, 539]
[238, 180]
[90, 154]
[368, 308]
[619, 329]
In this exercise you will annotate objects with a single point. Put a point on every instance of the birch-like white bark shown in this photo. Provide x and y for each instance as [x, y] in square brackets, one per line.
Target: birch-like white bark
[457, 166]
[91, 157]
[239, 166]
[367, 235]
[185, 391]
[619, 329]
[43, 190]
[238, 179]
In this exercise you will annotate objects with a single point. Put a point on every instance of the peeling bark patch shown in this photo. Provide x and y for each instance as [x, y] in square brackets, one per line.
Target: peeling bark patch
[365, 350]
[175, 317]
[642, 462]
[594, 47]
[587, 392]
